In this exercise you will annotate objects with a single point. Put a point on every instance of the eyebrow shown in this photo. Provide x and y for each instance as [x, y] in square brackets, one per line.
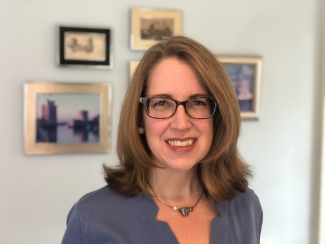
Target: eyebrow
[198, 95]
[165, 95]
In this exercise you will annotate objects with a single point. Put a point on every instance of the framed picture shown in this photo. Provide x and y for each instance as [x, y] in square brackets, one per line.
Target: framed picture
[150, 26]
[245, 75]
[67, 118]
[85, 47]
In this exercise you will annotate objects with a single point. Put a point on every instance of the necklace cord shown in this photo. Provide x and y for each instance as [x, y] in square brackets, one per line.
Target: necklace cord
[184, 211]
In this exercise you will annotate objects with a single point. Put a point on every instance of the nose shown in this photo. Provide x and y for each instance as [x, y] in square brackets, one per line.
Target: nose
[181, 120]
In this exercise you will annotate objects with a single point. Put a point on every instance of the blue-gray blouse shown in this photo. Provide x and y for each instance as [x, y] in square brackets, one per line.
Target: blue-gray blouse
[107, 217]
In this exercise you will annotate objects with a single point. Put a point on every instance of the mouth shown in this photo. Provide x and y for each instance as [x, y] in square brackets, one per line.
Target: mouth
[178, 143]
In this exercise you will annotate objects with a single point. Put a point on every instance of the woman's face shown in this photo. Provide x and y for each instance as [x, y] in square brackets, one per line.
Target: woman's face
[178, 142]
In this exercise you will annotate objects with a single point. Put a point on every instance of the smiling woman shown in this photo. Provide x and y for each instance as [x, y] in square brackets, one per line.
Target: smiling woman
[180, 177]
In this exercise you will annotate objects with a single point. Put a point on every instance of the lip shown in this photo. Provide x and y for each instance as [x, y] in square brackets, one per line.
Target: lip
[181, 144]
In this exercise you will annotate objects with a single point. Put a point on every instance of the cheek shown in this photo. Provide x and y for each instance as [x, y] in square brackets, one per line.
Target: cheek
[209, 133]
[153, 130]
[146, 123]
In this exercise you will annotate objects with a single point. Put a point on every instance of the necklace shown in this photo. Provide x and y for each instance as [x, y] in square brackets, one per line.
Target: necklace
[184, 211]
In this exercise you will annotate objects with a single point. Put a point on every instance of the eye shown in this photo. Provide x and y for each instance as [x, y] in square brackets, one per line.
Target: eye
[198, 102]
[161, 103]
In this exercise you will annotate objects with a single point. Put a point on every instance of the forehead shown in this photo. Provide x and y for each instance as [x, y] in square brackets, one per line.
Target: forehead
[176, 78]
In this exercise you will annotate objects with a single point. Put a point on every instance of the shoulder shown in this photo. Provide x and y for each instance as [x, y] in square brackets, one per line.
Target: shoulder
[97, 195]
[99, 199]
[245, 217]
[247, 198]
[245, 208]
[86, 213]
[99, 207]
[246, 203]
[105, 215]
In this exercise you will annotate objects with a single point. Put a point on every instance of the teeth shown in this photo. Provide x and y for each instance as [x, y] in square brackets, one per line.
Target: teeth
[177, 143]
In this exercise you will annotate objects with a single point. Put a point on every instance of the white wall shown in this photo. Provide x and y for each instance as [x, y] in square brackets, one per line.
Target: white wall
[283, 147]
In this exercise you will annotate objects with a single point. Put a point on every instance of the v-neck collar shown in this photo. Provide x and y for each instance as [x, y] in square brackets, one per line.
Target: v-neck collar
[160, 231]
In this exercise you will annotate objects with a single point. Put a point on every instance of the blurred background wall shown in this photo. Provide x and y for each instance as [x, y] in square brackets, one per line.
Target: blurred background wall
[283, 146]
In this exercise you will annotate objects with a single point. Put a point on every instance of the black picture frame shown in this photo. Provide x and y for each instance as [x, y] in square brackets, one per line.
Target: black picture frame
[85, 47]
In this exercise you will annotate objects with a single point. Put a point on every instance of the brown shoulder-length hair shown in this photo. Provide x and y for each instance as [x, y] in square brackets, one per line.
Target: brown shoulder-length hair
[222, 172]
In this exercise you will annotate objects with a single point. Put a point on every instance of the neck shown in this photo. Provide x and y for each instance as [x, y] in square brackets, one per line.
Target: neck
[175, 186]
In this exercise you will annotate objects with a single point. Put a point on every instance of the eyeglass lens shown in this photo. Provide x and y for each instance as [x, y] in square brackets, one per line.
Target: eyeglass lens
[199, 108]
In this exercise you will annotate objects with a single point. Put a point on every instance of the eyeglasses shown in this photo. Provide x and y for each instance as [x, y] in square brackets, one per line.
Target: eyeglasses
[163, 108]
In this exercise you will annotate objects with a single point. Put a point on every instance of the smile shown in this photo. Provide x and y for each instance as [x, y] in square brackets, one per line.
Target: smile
[177, 143]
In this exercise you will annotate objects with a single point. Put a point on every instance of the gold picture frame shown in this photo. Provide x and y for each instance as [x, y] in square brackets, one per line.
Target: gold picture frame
[132, 66]
[149, 26]
[67, 117]
[245, 74]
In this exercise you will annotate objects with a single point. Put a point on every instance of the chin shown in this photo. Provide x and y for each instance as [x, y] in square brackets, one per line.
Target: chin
[181, 166]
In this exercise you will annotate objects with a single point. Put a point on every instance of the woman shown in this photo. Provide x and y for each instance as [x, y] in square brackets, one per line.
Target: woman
[180, 179]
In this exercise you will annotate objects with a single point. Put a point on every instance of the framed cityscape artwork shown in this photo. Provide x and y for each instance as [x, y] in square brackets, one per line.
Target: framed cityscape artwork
[149, 26]
[85, 47]
[67, 118]
[245, 75]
